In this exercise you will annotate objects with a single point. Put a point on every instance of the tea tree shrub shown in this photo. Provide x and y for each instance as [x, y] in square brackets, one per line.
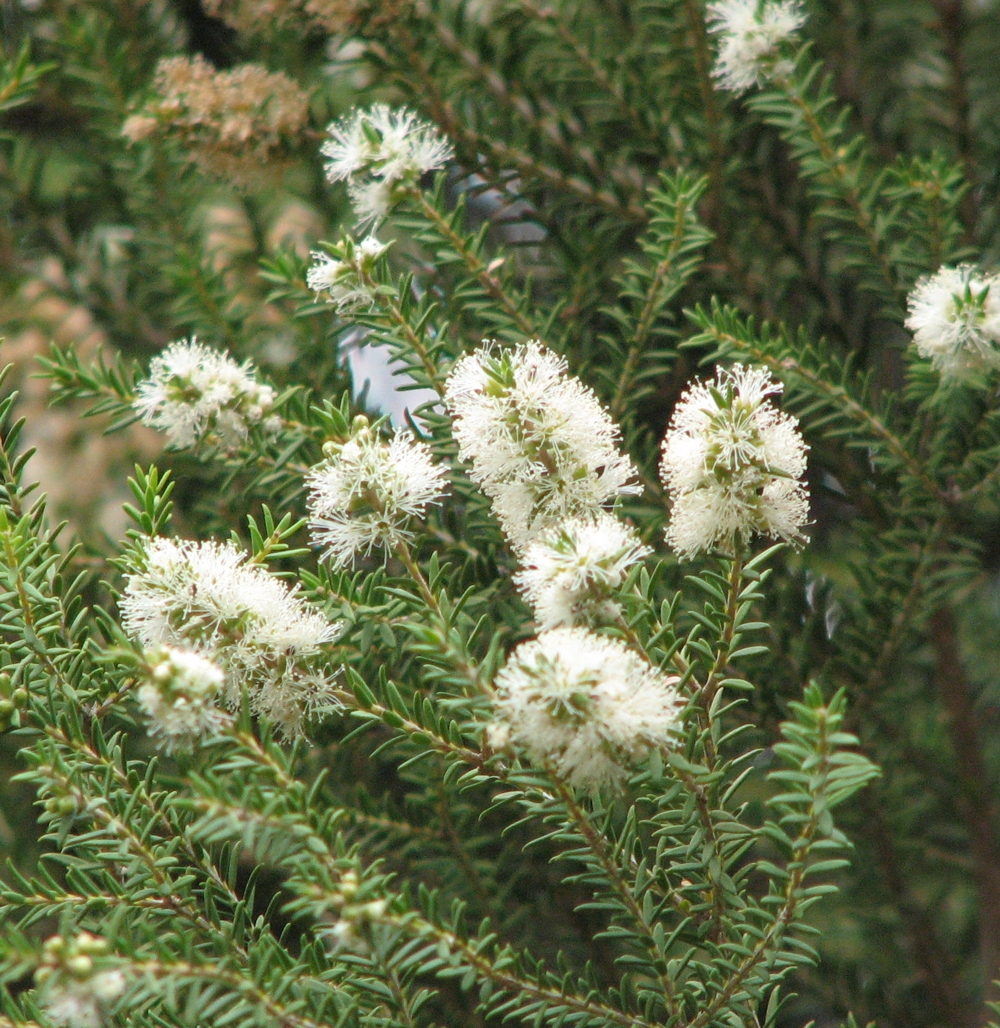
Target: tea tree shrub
[628, 663]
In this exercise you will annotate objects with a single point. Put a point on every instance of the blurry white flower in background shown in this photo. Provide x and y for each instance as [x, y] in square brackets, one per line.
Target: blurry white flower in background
[193, 390]
[954, 316]
[750, 34]
[178, 697]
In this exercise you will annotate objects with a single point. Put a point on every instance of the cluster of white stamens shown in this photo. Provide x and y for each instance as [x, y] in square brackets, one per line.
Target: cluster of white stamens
[380, 151]
[179, 694]
[585, 706]
[207, 597]
[570, 575]
[194, 391]
[369, 492]
[750, 35]
[954, 316]
[541, 445]
[733, 464]
[345, 274]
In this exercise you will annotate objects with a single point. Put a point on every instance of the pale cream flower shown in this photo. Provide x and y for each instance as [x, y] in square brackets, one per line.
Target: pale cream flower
[540, 443]
[733, 463]
[178, 697]
[378, 151]
[750, 36]
[570, 575]
[76, 982]
[207, 597]
[587, 706]
[193, 391]
[345, 275]
[368, 493]
[954, 316]
[234, 124]
[334, 16]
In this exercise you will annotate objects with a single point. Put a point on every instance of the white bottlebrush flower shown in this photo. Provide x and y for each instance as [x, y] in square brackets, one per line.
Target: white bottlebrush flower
[570, 574]
[954, 316]
[207, 597]
[372, 199]
[541, 445]
[377, 148]
[193, 390]
[732, 463]
[368, 492]
[75, 980]
[345, 276]
[386, 143]
[587, 706]
[178, 697]
[750, 34]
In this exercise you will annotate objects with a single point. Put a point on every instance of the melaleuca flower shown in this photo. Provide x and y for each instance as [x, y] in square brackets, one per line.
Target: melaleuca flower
[750, 35]
[541, 445]
[368, 492]
[379, 149]
[178, 696]
[206, 596]
[372, 199]
[77, 981]
[587, 706]
[954, 316]
[193, 391]
[732, 463]
[570, 574]
[385, 143]
[345, 275]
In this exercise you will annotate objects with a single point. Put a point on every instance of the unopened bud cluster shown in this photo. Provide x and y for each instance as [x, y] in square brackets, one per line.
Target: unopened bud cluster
[954, 316]
[368, 492]
[381, 152]
[60, 800]
[356, 915]
[194, 392]
[78, 981]
[233, 124]
[13, 699]
[344, 275]
[179, 696]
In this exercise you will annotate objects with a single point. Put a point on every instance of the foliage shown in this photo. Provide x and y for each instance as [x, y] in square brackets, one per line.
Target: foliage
[819, 839]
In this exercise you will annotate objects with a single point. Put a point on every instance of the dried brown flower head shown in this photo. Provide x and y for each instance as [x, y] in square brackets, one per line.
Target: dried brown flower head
[333, 16]
[233, 124]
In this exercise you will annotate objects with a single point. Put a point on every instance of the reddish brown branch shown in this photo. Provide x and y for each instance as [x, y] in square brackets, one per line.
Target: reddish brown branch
[951, 22]
[976, 803]
[926, 949]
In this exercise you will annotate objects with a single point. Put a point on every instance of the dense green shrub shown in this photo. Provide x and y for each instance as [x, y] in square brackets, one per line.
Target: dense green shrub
[495, 710]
